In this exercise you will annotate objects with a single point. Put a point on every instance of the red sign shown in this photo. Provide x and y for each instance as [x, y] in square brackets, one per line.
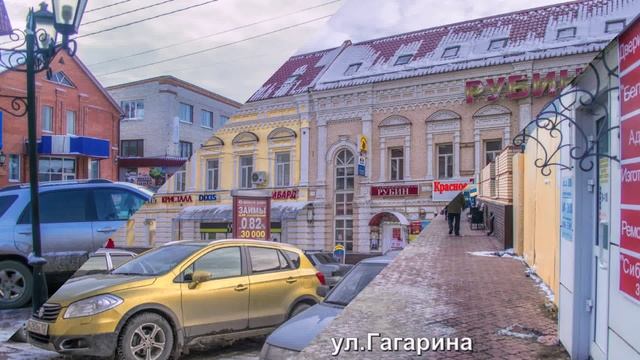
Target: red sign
[629, 46]
[630, 92]
[251, 218]
[630, 276]
[630, 230]
[176, 199]
[630, 140]
[289, 194]
[415, 227]
[395, 190]
[630, 184]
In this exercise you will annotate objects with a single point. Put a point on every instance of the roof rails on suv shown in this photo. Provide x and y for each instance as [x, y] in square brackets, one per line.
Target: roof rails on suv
[53, 183]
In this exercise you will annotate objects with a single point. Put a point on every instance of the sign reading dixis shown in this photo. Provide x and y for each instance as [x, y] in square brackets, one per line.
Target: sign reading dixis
[629, 58]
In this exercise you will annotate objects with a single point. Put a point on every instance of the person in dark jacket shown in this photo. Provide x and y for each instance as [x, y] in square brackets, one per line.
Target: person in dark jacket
[454, 209]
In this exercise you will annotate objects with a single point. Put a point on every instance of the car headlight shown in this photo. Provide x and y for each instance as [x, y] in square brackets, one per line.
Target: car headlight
[91, 306]
[270, 352]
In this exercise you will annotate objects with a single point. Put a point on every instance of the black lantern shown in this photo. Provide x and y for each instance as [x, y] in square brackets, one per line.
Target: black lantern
[45, 23]
[68, 14]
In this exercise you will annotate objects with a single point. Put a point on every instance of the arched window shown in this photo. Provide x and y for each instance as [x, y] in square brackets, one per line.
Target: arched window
[344, 191]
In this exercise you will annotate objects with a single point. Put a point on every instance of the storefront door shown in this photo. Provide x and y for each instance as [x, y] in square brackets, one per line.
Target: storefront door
[393, 237]
[601, 248]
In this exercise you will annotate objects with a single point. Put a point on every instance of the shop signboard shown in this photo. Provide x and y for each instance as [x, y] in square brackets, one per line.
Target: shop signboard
[284, 194]
[446, 190]
[362, 165]
[251, 215]
[395, 190]
[629, 65]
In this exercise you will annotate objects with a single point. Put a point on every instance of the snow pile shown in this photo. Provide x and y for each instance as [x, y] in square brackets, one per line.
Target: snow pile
[531, 272]
[509, 253]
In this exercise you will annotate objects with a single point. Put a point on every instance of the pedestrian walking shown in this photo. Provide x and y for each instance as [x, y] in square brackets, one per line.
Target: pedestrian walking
[454, 209]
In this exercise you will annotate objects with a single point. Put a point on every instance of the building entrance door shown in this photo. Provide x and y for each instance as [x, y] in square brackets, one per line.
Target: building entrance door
[599, 317]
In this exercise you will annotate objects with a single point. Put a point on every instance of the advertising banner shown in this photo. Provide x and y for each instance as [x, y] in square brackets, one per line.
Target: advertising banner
[446, 190]
[251, 217]
[629, 61]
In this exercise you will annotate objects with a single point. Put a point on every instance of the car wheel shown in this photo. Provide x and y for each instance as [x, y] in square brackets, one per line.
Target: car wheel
[147, 336]
[16, 284]
[298, 309]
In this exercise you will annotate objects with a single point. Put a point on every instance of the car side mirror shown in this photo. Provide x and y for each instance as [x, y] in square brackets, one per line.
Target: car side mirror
[322, 290]
[198, 277]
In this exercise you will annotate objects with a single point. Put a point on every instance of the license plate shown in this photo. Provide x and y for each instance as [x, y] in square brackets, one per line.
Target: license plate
[37, 327]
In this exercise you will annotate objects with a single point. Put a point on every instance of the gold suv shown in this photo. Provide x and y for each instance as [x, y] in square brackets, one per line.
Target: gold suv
[153, 305]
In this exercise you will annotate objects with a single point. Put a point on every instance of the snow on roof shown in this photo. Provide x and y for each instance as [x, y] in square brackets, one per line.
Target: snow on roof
[5, 24]
[557, 30]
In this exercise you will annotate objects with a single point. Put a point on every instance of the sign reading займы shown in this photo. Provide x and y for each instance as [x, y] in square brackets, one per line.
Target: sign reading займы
[251, 215]
[629, 61]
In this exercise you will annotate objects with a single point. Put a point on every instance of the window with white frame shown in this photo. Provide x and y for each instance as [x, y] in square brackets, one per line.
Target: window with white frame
[492, 149]
[186, 149]
[497, 44]
[133, 109]
[213, 174]
[14, 168]
[445, 161]
[56, 168]
[396, 158]
[614, 26]
[185, 113]
[94, 169]
[181, 181]
[206, 119]
[47, 118]
[451, 52]
[245, 171]
[344, 192]
[283, 168]
[71, 122]
[566, 33]
[403, 59]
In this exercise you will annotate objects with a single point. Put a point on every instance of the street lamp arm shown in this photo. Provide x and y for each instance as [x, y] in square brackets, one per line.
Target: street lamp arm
[14, 58]
[18, 105]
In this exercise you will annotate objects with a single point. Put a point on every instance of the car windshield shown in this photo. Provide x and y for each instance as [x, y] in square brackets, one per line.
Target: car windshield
[356, 280]
[157, 261]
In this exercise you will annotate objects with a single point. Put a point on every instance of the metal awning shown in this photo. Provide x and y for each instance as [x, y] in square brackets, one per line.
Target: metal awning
[73, 145]
[282, 210]
[377, 218]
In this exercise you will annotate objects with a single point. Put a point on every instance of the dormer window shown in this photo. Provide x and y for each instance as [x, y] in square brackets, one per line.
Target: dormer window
[290, 80]
[60, 78]
[403, 59]
[497, 44]
[566, 33]
[352, 69]
[451, 52]
[614, 26]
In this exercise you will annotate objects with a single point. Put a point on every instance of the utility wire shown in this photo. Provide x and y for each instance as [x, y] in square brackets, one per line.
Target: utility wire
[212, 35]
[215, 47]
[145, 19]
[128, 12]
[107, 6]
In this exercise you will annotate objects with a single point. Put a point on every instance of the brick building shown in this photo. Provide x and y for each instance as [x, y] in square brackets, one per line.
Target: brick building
[77, 125]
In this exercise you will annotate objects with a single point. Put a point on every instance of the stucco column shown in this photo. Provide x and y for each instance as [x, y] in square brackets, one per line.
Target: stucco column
[456, 154]
[321, 151]
[476, 151]
[304, 156]
[383, 160]
[429, 156]
[407, 157]
[367, 130]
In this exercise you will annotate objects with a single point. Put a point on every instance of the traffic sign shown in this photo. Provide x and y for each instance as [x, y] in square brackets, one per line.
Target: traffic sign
[363, 144]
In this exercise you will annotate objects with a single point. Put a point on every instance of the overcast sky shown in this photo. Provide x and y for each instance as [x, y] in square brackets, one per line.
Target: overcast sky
[237, 70]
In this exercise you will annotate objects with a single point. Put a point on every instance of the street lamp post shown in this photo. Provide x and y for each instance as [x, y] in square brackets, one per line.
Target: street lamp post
[36, 49]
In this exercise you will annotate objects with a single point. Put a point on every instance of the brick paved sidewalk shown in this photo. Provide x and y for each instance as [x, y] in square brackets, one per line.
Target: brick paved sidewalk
[435, 288]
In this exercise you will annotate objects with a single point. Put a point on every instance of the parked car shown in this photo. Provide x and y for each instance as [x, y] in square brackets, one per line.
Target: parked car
[298, 332]
[77, 218]
[151, 306]
[103, 261]
[332, 269]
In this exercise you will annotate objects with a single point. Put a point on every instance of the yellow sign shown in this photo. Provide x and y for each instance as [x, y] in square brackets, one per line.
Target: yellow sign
[338, 247]
[364, 145]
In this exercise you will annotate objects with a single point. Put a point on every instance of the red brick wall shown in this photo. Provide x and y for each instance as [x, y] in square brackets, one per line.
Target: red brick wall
[96, 115]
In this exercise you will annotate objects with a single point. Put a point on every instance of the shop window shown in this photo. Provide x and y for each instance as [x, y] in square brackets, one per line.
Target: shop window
[492, 149]
[47, 118]
[566, 33]
[186, 113]
[450, 52]
[206, 119]
[246, 169]
[181, 181]
[56, 169]
[132, 148]
[14, 168]
[344, 233]
[71, 122]
[403, 59]
[186, 149]
[344, 193]
[615, 26]
[497, 44]
[94, 169]
[283, 169]
[213, 174]
[445, 161]
[133, 109]
[396, 157]
[352, 69]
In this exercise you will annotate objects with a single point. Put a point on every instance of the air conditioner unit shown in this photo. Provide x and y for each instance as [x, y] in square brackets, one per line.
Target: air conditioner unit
[259, 177]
